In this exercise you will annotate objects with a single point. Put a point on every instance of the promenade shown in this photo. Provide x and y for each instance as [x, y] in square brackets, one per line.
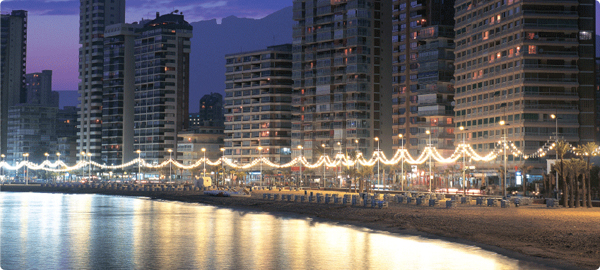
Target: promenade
[557, 237]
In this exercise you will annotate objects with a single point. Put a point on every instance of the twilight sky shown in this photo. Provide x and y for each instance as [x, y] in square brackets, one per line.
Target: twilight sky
[53, 27]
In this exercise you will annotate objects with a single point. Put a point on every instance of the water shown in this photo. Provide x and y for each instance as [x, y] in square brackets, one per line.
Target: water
[56, 231]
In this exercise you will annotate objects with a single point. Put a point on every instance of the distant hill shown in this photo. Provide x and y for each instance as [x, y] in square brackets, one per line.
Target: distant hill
[212, 41]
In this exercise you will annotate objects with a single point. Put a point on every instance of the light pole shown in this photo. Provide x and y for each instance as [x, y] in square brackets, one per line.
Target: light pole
[430, 153]
[58, 161]
[502, 123]
[340, 167]
[204, 163]
[377, 140]
[139, 152]
[26, 155]
[323, 180]
[46, 154]
[2, 167]
[555, 117]
[222, 165]
[170, 168]
[464, 161]
[300, 148]
[400, 136]
[89, 155]
[82, 167]
[356, 168]
[260, 158]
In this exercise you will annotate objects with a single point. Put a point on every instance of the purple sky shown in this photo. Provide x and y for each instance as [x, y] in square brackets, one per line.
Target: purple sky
[53, 27]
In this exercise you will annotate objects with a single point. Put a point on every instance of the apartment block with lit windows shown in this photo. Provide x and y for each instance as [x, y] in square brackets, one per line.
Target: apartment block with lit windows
[258, 105]
[94, 15]
[342, 77]
[162, 70]
[521, 62]
[421, 63]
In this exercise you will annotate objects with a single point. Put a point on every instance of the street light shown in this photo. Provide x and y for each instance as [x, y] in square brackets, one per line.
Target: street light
[502, 123]
[400, 136]
[89, 155]
[222, 165]
[2, 167]
[260, 155]
[46, 154]
[204, 163]
[356, 168]
[555, 117]
[300, 148]
[464, 160]
[340, 167]
[57, 161]
[139, 152]
[377, 140]
[430, 154]
[323, 180]
[170, 163]
[26, 155]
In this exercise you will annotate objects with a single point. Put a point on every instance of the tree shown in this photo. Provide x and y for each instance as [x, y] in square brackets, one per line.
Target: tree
[588, 150]
[364, 172]
[561, 148]
[525, 169]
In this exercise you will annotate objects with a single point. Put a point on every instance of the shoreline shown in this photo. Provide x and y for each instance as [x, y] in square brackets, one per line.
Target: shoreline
[559, 238]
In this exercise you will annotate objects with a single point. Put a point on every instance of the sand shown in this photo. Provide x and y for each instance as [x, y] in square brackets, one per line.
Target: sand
[557, 237]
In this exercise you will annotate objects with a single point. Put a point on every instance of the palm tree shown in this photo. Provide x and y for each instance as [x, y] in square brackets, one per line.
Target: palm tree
[588, 150]
[525, 169]
[561, 148]
[363, 172]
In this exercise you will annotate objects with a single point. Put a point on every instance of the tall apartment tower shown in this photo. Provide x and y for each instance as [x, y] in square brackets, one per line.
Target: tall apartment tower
[522, 62]
[258, 105]
[119, 92]
[411, 51]
[435, 78]
[162, 62]
[342, 80]
[13, 34]
[39, 89]
[94, 15]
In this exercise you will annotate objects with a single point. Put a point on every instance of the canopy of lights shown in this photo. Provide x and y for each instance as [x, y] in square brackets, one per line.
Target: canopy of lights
[401, 156]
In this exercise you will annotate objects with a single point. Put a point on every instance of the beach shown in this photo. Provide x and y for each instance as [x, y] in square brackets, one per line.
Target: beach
[557, 237]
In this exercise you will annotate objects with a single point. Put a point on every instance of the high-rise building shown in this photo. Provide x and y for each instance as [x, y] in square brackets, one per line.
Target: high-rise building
[118, 94]
[342, 77]
[258, 105]
[162, 61]
[13, 35]
[421, 67]
[93, 17]
[39, 89]
[529, 65]
[210, 113]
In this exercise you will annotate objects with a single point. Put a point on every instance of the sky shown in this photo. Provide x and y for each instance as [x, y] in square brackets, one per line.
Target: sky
[53, 27]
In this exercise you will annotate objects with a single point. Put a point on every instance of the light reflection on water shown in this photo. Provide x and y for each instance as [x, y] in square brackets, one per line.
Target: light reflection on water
[56, 231]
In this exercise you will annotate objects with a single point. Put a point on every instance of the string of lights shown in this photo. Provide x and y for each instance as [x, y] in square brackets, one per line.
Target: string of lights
[401, 155]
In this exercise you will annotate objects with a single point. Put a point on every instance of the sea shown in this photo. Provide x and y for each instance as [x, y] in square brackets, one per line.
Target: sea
[87, 231]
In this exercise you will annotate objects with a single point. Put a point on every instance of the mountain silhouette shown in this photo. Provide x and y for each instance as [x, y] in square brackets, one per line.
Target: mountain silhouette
[212, 41]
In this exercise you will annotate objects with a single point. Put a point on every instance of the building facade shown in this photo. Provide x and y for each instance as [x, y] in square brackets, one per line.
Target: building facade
[522, 62]
[162, 61]
[342, 80]
[118, 94]
[13, 37]
[189, 149]
[210, 113]
[410, 79]
[39, 89]
[32, 130]
[435, 94]
[258, 105]
[94, 16]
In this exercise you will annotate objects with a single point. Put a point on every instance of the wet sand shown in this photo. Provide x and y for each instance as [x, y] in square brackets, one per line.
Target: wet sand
[556, 237]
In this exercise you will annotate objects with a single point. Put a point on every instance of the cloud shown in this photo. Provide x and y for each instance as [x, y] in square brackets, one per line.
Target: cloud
[43, 7]
[213, 4]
